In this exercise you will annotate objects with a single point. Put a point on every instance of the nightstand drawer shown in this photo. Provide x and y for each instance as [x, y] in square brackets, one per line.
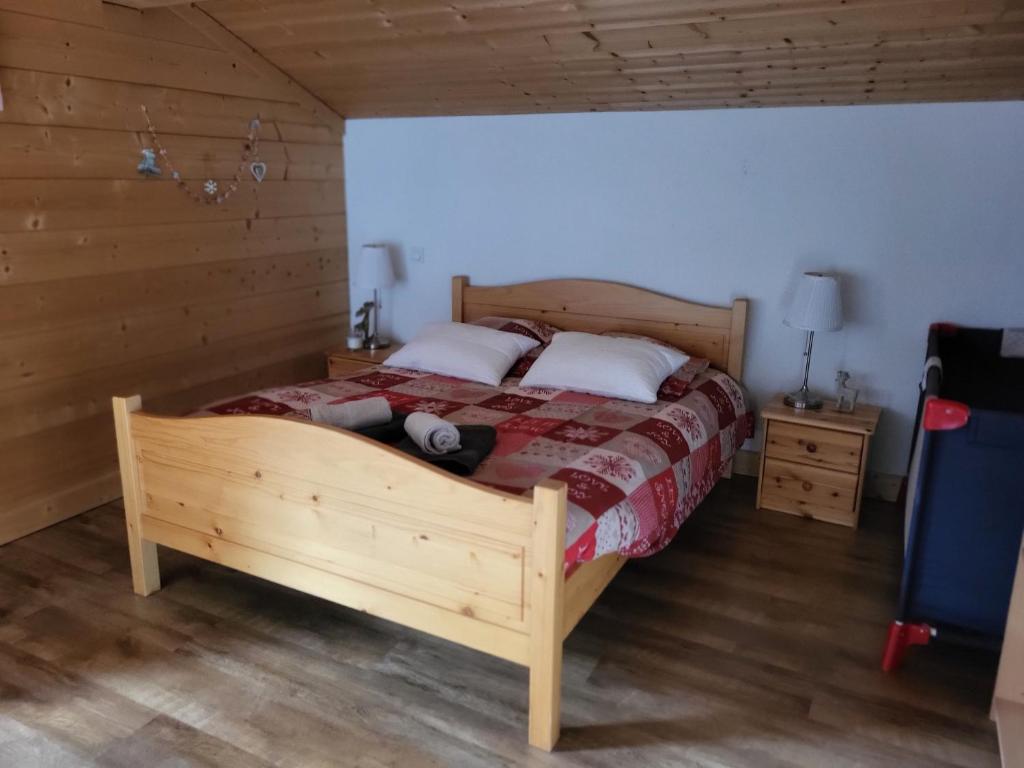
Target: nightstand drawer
[813, 446]
[824, 494]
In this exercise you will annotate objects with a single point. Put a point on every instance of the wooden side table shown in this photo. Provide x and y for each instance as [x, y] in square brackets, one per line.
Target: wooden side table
[342, 361]
[813, 463]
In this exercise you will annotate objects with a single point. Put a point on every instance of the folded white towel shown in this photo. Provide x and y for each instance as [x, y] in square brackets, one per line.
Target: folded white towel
[433, 435]
[354, 414]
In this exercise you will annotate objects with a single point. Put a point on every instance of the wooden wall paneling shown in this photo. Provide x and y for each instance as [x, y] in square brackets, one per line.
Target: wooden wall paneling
[74, 349]
[148, 4]
[110, 282]
[157, 23]
[311, 161]
[28, 257]
[80, 11]
[31, 42]
[73, 491]
[76, 453]
[55, 304]
[42, 98]
[177, 380]
[214, 30]
[55, 455]
[304, 362]
[60, 503]
[47, 152]
[48, 205]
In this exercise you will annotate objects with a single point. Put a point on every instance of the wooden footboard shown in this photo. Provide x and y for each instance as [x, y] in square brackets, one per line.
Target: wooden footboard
[350, 520]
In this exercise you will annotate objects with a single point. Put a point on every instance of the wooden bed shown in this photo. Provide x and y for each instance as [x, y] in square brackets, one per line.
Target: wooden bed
[336, 515]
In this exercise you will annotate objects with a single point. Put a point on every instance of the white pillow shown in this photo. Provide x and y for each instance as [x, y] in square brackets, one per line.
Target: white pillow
[464, 351]
[627, 369]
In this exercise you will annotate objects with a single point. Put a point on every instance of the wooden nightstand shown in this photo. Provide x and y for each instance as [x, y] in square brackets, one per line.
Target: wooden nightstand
[342, 361]
[813, 463]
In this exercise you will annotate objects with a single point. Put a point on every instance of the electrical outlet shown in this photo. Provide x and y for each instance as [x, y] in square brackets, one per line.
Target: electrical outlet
[418, 254]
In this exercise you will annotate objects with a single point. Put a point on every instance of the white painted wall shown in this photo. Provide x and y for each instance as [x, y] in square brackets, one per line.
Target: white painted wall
[919, 208]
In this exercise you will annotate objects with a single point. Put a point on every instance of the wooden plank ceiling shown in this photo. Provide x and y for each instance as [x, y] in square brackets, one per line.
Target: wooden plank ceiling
[446, 57]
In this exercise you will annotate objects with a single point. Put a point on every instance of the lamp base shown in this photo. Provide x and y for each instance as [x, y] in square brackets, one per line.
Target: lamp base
[803, 400]
[378, 342]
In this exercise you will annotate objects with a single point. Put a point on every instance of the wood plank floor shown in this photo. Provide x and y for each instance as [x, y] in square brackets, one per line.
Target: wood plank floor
[754, 640]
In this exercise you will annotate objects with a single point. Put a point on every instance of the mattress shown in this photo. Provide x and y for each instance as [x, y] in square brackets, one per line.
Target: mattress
[634, 471]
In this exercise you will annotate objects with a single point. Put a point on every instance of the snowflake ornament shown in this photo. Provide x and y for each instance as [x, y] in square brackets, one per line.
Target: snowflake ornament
[588, 434]
[611, 466]
[435, 408]
[210, 187]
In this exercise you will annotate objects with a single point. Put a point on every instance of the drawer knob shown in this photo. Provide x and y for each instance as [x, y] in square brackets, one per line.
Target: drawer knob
[807, 486]
[812, 447]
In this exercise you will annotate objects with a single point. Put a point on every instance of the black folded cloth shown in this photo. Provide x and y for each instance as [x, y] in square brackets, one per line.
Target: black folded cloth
[477, 442]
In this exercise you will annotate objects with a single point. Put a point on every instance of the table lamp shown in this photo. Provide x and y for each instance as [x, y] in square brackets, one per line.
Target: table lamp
[376, 272]
[817, 306]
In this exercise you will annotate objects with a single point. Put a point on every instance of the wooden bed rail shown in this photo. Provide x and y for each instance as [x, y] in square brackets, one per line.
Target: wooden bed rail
[336, 515]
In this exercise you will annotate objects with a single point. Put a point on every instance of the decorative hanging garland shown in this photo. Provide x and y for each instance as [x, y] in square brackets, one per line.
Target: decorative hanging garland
[212, 192]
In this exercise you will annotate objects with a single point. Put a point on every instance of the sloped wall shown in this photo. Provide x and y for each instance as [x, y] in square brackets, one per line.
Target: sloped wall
[115, 284]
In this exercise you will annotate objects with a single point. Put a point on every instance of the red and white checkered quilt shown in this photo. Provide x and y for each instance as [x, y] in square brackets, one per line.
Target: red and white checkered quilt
[635, 472]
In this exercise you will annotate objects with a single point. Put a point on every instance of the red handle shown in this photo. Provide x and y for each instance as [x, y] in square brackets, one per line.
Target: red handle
[942, 414]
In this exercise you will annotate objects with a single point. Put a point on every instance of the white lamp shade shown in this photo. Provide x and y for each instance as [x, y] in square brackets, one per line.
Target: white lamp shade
[375, 269]
[817, 305]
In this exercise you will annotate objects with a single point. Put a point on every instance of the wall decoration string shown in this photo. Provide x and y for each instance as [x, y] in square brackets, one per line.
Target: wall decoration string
[212, 192]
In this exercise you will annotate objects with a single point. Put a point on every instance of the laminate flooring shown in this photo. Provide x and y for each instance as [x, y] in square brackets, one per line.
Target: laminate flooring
[753, 640]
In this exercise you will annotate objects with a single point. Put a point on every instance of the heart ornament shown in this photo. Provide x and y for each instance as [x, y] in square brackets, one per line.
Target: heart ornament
[259, 171]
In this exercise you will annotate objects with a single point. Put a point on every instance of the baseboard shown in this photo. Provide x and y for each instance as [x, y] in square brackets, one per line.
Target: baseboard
[41, 512]
[877, 485]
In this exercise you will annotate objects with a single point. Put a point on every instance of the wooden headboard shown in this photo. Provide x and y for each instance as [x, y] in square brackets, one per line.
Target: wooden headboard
[702, 330]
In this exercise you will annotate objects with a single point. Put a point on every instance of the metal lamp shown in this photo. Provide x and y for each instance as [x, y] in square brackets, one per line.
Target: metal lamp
[817, 306]
[377, 272]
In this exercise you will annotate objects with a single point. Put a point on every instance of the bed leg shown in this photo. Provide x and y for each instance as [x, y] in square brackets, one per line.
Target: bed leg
[145, 566]
[727, 470]
[546, 612]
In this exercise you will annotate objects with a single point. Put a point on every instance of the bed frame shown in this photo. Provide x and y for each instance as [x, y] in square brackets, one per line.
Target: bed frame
[336, 515]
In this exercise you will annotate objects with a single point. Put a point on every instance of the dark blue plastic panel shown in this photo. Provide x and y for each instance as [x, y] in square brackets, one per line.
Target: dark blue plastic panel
[966, 527]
